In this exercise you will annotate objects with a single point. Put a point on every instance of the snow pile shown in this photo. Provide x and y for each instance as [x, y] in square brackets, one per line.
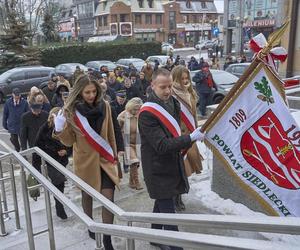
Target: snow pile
[201, 191]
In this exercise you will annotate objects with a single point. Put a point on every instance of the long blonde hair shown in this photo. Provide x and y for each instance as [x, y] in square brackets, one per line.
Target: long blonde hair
[136, 101]
[177, 73]
[50, 117]
[76, 95]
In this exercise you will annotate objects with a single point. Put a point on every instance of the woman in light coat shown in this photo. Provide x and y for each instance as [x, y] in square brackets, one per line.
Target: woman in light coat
[183, 91]
[128, 121]
[85, 117]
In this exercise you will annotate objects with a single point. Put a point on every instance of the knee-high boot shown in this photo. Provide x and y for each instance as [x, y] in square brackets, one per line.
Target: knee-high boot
[135, 172]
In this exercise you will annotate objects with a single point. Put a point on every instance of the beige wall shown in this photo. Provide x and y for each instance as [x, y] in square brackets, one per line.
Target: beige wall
[285, 43]
[296, 69]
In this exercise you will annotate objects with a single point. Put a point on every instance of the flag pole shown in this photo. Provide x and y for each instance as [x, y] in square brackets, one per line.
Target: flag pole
[274, 39]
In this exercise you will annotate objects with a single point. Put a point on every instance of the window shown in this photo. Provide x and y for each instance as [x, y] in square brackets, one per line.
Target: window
[100, 22]
[148, 19]
[138, 19]
[124, 18]
[185, 18]
[150, 3]
[172, 20]
[221, 20]
[45, 73]
[18, 76]
[158, 19]
[188, 4]
[33, 74]
[203, 5]
[194, 18]
[114, 18]
[141, 3]
[105, 21]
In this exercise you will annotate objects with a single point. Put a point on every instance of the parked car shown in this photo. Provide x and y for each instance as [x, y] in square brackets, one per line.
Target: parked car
[160, 58]
[167, 48]
[237, 69]
[224, 81]
[23, 78]
[95, 65]
[137, 63]
[67, 69]
[207, 44]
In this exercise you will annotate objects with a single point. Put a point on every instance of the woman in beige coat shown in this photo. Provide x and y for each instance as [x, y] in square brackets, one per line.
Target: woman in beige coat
[128, 121]
[90, 164]
[183, 91]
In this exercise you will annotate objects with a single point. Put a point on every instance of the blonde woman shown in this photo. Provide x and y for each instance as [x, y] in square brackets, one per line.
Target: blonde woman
[57, 151]
[183, 91]
[128, 121]
[34, 91]
[90, 126]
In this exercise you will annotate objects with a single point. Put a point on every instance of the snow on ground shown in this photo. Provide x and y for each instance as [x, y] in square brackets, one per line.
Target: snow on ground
[201, 191]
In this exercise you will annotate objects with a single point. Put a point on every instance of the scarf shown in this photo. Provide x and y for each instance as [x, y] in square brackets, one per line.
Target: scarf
[182, 92]
[94, 114]
[128, 148]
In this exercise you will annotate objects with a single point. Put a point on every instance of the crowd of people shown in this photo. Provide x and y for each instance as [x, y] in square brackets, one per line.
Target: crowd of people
[106, 120]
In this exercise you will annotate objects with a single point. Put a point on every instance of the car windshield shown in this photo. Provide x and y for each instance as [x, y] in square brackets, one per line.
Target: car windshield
[223, 78]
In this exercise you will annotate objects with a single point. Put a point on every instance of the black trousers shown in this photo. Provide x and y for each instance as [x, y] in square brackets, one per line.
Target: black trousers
[61, 188]
[165, 206]
[14, 139]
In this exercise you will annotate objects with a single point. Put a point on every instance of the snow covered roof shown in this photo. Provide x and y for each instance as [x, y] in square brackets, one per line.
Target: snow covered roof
[198, 7]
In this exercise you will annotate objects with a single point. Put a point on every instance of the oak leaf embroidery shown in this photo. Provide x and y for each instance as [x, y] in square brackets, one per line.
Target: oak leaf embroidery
[264, 88]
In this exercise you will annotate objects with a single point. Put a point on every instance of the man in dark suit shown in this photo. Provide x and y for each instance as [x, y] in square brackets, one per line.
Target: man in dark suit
[161, 149]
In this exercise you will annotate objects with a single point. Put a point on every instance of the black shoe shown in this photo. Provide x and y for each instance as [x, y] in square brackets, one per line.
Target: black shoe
[92, 235]
[107, 242]
[160, 246]
[61, 213]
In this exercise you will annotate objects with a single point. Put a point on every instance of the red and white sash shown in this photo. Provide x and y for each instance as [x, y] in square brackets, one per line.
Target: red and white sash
[187, 117]
[164, 116]
[94, 139]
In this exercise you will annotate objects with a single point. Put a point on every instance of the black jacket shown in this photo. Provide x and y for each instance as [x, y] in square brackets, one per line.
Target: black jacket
[51, 146]
[132, 92]
[200, 78]
[30, 124]
[162, 160]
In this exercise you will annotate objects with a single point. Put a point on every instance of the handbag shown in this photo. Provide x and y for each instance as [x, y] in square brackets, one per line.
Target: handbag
[34, 193]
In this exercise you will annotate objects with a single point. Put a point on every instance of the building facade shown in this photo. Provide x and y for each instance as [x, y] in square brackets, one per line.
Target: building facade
[244, 19]
[178, 22]
[85, 20]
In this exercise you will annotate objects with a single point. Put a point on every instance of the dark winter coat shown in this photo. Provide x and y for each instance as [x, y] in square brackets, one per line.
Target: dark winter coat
[118, 107]
[111, 93]
[200, 78]
[57, 100]
[132, 92]
[116, 86]
[51, 146]
[12, 115]
[49, 93]
[162, 160]
[30, 124]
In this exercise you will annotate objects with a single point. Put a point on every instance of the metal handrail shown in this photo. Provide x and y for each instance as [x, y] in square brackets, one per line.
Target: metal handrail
[265, 224]
[159, 236]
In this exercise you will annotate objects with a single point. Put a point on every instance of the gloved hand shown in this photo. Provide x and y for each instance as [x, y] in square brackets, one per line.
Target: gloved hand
[59, 121]
[197, 135]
